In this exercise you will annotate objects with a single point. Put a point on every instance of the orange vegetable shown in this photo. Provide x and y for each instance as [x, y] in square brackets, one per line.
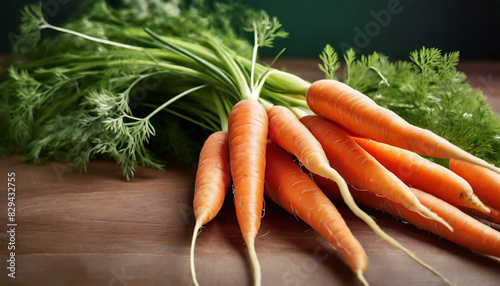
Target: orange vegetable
[493, 216]
[360, 169]
[295, 192]
[213, 179]
[341, 103]
[467, 231]
[423, 174]
[288, 132]
[248, 126]
[484, 182]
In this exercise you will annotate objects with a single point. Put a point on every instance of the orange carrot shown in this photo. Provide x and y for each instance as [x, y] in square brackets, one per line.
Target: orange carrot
[295, 192]
[484, 182]
[213, 179]
[492, 217]
[423, 174]
[359, 168]
[467, 231]
[357, 112]
[288, 132]
[248, 126]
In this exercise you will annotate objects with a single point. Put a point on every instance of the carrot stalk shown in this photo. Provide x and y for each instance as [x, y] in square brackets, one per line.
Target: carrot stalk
[295, 192]
[288, 132]
[423, 174]
[360, 169]
[341, 103]
[213, 179]
[468, 232]
[484, 182]
[248, 126]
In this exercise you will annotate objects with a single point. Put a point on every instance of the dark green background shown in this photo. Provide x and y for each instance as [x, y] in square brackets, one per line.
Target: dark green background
[471, 27]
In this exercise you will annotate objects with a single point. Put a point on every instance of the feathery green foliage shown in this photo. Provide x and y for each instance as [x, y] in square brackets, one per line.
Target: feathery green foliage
[92, 89]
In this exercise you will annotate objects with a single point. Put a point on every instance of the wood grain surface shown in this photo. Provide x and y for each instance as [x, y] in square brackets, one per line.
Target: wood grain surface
[96, 229]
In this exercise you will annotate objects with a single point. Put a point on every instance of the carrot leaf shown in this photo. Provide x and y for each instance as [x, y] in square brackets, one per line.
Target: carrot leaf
[330, 62]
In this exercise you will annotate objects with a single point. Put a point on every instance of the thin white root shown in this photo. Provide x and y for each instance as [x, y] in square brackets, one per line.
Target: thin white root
[257, 276]
[349, 201]
[361, 278]
[427, 213]
[478, 205]
[191, 255]
[418, 260]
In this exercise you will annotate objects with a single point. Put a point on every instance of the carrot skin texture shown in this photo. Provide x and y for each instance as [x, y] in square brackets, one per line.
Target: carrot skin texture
[423, 174]
[213, 177]
[484, 182]
[341, 103]
[248, 126]
[350, 108]
[467, 231]
[286, 130]
[358, 167]
[293, 190]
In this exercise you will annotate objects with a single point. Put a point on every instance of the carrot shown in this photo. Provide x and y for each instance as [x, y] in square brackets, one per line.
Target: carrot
[423, 174]
[359, 168]
[492, 217]
[467, 231]
[341, 103]
[213, 179]
[248, 126]
[295, 192]
[287, 131]
[484, 182]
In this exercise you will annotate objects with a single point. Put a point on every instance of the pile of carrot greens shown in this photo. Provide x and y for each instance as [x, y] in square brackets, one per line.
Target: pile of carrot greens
[142, 82]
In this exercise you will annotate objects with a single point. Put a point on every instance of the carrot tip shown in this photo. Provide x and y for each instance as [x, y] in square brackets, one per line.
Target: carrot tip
[427, 213]
[479, 205]
[361, 278]
[254, 260]
[196, 230]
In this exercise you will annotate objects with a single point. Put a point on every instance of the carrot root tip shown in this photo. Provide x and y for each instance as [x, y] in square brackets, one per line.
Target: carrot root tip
[196, 230]
[254, 260]
[361, 277]
[427, 213]
[479, 205]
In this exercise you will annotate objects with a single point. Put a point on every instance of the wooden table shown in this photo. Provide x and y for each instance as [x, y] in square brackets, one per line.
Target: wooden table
[96, 229]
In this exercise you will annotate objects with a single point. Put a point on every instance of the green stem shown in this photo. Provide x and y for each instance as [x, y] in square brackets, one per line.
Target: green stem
[254, 53]
[197, 122]
[223, 115]
[229, 62]
[49, 26]
[172, 100]
[289, 99]
[216, 72]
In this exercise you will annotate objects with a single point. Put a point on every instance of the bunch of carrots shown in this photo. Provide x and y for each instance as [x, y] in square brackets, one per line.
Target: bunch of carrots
[352, 150]
[301, 144]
